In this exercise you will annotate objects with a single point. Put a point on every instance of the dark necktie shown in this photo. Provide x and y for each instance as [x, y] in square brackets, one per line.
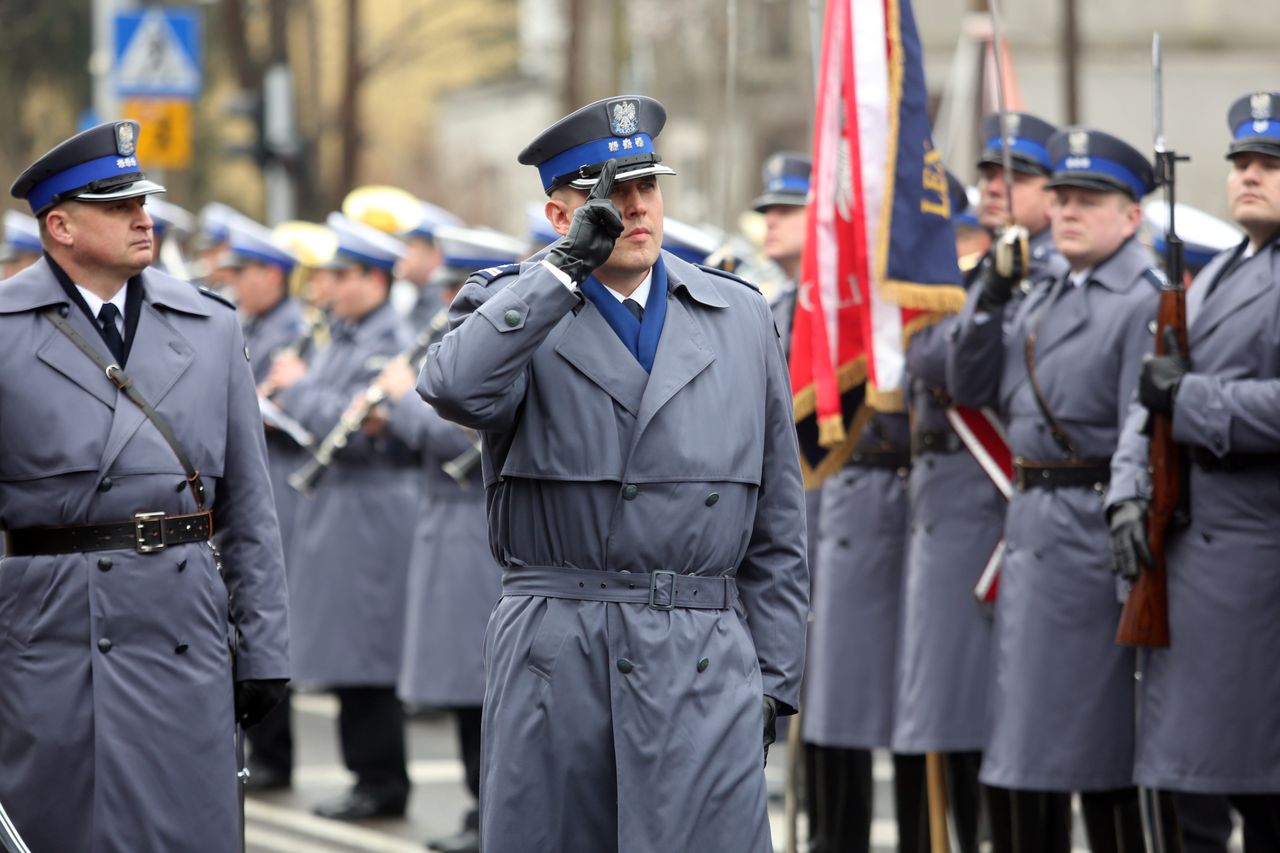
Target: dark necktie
[636, 309]
[110, 332]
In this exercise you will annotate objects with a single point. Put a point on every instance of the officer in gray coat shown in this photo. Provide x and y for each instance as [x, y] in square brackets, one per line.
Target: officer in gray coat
[957, 511]
[1062, 378]
[353, 535]
[1211, 700]
[454, 581]
[272, 322]
[117, 728]
[645, 503]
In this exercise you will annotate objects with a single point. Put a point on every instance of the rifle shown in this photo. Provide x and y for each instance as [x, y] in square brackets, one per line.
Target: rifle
[1145, 620]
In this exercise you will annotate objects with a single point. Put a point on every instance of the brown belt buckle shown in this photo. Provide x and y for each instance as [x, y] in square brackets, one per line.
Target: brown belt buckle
[148, 532]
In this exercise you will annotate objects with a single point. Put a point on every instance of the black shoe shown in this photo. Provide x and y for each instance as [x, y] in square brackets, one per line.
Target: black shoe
[359, 805]
[466, 841]
[264, 779]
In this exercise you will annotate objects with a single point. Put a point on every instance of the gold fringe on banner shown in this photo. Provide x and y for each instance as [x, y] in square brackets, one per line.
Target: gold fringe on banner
[815, 476]
[886, 401]
[805, 401]
[831, 431]
[948, 298]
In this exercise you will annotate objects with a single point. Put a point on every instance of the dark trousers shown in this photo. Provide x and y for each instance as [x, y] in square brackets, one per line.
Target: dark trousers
[1205, 821]
[271, 740]
[1041, 820]
[911, 799]
[469, 747]
[839, 799]
[1261, 813]
[371, 732]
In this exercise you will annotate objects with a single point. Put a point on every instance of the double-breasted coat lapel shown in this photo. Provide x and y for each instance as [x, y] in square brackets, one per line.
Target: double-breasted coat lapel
[591, 346]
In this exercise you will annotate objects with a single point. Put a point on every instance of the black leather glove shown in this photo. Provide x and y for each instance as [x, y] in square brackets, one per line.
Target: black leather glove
[1010, 258]
[256, 698]
[1129, 548]
[1161, 375]
[596, 226]
[770, 724]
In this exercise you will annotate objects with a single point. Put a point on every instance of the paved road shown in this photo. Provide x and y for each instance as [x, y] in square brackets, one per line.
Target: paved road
[283, 823]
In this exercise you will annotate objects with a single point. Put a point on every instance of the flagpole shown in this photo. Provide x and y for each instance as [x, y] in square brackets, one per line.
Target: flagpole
[815, 39]
[730, 108]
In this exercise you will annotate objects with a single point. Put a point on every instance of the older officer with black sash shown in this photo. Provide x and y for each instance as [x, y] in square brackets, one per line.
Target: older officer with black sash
[1211, 700]
[1062, 378]
[646, 506]
[130, 433]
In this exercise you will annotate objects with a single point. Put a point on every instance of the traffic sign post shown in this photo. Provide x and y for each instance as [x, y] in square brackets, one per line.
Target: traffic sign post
[158, 73]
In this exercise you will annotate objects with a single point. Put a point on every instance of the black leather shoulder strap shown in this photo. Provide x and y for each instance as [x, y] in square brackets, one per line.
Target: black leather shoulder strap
[115, 373]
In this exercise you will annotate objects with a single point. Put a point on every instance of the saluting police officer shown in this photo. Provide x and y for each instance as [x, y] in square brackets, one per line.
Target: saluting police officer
[654, 582]
[1062, 378]
[957, 510]
[454, 581]
[1211, 700]
[116, 717]
[352, 540]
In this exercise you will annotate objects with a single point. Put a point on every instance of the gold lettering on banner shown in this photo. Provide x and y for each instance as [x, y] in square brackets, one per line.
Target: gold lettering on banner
[933, 177]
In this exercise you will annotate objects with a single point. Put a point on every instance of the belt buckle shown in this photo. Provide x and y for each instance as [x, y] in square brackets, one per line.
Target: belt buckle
[146, 538]
[1019, 475]
[653, 591]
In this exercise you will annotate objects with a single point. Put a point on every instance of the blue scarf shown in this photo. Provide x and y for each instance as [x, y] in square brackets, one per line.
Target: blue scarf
[640, 338]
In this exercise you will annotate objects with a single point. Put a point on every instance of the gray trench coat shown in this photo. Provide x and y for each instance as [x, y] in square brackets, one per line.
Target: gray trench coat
[350, 553]
[857, 589]
[1063, 697]
[619, 726]
[454, 581]
[1211, 702]
[116, 724]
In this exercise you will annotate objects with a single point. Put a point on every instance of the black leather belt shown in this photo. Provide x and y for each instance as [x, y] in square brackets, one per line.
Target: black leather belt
[1208, 461]
[890, 459]
[1090, 473]
[147, 533]
[661, 590]
[935, 441]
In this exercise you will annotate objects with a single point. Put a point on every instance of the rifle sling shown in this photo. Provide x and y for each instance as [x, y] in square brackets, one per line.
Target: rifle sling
[115, 373]
[1060, 436]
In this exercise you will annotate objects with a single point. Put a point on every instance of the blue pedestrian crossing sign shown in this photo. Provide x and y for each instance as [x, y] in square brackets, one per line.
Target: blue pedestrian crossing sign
[158, 53]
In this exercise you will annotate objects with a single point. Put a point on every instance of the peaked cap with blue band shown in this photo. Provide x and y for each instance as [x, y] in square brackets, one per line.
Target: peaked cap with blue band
[785, 176]
[22, 232]
[688, 242]
[959, 195]
[573, 150]
[1027, 137]
[1099, 161]
[433, 218]
[1255, 124]
[167, 216]
[363, 244]
[254, 243]
[98, 164]
[465, 250]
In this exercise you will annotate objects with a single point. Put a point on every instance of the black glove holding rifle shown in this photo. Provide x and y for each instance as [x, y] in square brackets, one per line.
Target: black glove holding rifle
[1008, 263]
[596, 226]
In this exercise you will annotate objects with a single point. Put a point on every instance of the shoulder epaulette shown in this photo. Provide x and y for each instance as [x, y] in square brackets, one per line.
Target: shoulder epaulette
[1154, 277]
[216, 297]
[491, 274]
[728, 275]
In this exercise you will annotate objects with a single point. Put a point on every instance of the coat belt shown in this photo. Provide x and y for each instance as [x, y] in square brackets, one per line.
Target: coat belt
[935, 441]
[146, 533]
[1091, 473]
[661, 590]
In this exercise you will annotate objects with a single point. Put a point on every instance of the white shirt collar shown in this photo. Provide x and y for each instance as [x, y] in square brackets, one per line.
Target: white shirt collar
[640, 294]
[95, 302]
[1079, 278]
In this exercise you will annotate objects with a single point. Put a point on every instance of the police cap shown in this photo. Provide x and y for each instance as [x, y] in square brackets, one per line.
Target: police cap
[1255, 124]
[1098, 161]
[98, 164]
[1027, 138]
[573, 150]
[785, 176]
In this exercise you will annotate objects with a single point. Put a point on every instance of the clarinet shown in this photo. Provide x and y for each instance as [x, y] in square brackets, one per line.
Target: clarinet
[305, 478]
[461, 466]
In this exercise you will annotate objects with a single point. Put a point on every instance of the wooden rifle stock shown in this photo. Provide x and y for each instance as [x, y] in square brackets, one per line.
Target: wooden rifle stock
[1145, 619]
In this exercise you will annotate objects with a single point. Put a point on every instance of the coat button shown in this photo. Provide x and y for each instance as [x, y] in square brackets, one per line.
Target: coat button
[511, 318]
[104, 485]
[104, 645]
[629, 491]
[180, 649]
[713, 498]
[625, 666]
[104, 564]
[703, 664]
